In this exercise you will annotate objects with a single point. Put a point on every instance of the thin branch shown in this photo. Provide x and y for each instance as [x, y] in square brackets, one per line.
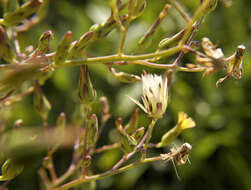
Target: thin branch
[181, 10]
[109, 173]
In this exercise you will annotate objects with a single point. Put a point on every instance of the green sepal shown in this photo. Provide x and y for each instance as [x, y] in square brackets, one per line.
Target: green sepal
[10, 170]
[62, 49]
[77, 47]
[86, 92]
[138, 134]
[169, 136]
[44, 42]
[7, 51]
[127, 142]
[132, 125]
[41, 104]
[92, 131]
[60, 131]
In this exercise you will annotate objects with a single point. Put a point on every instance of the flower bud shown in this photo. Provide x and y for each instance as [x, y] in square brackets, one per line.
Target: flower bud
[167, 42]
[78, 46]
[62, 49]
[92, 131]
[132, 126]
[127, 142]
[44, 42]
[86, 92]
[23, 12]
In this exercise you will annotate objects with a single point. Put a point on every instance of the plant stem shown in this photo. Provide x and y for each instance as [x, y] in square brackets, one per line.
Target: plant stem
[181, 10]
[108, 173]
[123, 36]
[112, 58]
[67, 174]
[198, 14]
[106, 147]
[148, 137]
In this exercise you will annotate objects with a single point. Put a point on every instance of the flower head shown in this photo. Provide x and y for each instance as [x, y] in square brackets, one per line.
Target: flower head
[185, 122]
[155, 95]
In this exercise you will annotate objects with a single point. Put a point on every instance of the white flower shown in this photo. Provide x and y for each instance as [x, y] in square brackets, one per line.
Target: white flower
[155, 95]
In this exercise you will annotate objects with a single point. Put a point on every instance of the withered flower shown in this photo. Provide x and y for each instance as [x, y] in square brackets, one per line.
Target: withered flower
[214, 58]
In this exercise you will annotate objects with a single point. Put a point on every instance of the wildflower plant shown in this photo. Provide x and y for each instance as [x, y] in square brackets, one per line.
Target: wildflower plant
[25, 72]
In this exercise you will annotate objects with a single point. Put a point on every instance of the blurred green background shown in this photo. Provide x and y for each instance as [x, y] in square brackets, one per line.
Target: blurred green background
[220, 158]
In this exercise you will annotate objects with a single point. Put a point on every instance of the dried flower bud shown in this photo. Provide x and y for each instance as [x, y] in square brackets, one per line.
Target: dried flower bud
[235, 65]
[214, 59]
[211, 50]
[155, 95]
[10, 170]
[86, 92]
[23, 12]
[62, 49]
[180, 155]
[125, 77]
